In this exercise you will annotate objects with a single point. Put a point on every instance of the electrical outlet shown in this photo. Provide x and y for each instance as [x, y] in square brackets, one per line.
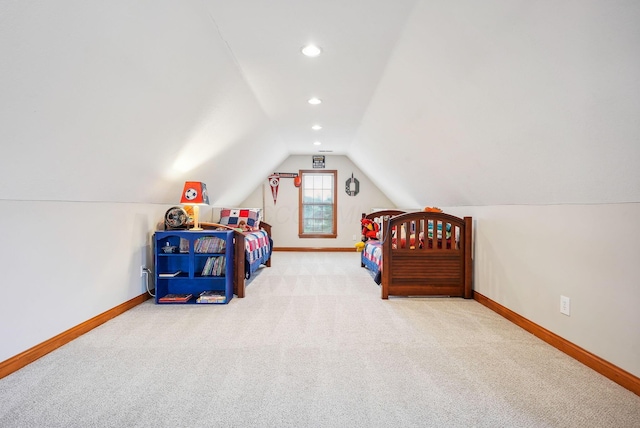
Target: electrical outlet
[354, 237]
[565, 305]
[143, 271]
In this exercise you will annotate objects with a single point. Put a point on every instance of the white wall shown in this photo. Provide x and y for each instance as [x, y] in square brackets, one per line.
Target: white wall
[124, 101]
[283, 215]
[105, 111]
[63, 263]
[508, 102]
[527, 256]
[510, 110]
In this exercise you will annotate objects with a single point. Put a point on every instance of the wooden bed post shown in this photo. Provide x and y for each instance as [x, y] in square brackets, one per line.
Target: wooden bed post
[385, 276]
[238, 264]
[267, 228]
[468, 265]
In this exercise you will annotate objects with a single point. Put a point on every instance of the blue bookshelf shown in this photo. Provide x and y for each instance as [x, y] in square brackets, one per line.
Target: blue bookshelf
[192, 263]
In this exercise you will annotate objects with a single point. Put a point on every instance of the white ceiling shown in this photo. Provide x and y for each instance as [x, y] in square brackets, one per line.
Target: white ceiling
[437, 102]
[453, 103]
[357, 38]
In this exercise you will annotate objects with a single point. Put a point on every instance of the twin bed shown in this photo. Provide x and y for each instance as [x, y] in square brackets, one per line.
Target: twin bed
[252, 249]
[253, 246]
[420, 254]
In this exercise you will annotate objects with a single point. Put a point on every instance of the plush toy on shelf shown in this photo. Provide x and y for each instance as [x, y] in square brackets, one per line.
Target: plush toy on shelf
[370, 229]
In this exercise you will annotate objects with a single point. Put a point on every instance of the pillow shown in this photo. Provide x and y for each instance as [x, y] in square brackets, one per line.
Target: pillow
[233, 216]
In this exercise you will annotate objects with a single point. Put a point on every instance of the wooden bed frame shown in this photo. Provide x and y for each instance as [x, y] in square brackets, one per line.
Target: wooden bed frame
[436, 271]
[239, 283]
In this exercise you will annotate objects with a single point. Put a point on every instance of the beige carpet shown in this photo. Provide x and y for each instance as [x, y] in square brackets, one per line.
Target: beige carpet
[313, 345]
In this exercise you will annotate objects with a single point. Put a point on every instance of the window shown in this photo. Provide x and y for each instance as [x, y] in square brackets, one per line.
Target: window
[318, 199]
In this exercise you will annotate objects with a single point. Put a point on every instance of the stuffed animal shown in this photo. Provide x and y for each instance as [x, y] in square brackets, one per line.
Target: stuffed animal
[370, 229]
[432, 210]
[243, 227]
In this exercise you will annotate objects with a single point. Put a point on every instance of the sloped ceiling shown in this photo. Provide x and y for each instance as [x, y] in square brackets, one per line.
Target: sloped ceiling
[440, 103]
[508, 102]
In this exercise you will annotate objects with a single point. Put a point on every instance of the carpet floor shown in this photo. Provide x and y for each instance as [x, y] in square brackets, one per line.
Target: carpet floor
[312, 345]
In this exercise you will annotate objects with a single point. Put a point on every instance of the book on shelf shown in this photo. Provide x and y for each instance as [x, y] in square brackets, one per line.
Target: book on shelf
[214, 266]
[209, 244]
[184, 246]
[175, 298]
[169, 274]
[212, 297]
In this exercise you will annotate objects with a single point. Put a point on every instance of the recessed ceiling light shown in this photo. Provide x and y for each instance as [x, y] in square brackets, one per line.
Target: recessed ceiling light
[311, 50]
[316, 127]
[316, 143]
[315, 101]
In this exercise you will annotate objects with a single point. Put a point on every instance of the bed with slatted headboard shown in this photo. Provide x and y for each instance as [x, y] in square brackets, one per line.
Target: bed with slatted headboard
[422, 254]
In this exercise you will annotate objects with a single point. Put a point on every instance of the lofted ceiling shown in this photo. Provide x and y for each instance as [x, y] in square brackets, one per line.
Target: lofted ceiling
[438, 103]
[357, 38]
[453, 103]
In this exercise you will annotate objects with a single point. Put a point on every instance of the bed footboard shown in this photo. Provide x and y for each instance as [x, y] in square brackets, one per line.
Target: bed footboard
[427, 254]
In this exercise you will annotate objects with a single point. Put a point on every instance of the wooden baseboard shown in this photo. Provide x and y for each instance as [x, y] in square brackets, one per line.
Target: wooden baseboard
[316, 249]
[605, 368]
[30, 355]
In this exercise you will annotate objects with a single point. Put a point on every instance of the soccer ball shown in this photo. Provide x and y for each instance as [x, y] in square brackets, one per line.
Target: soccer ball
[191, 194]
